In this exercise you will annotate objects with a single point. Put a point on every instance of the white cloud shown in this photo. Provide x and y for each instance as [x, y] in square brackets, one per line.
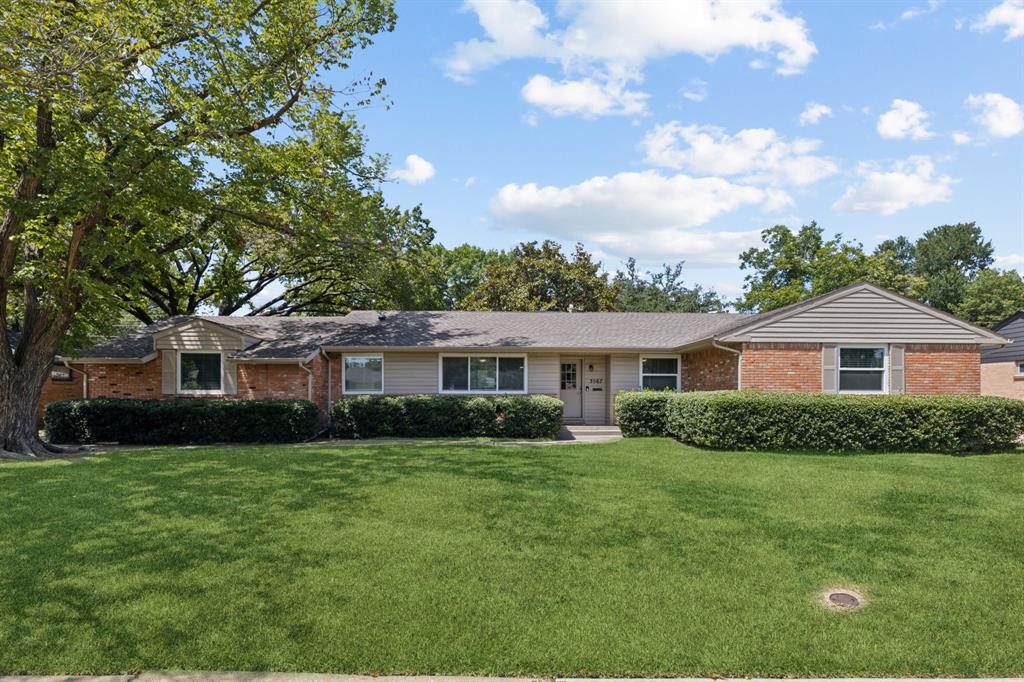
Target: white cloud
[813, 113]
[911, 182]
[514, 30]
[611, 41]
[700, 249]
[417, 170]
[586, 97]
[908, 14]
[1009, 13]
[531, 118]
[914, 12]
[961, 138]
[904, 119]
[470, 181]
[759, 155]
[697, 92]
[638, 213]
[1013, 261]
[999, 115]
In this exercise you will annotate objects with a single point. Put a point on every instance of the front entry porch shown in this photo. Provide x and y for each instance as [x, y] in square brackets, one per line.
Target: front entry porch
[584, 388]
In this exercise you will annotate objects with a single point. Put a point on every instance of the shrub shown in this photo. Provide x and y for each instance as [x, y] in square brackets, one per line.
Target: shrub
[180, 421]
[444, 416]
[747, 420]
[642, 413]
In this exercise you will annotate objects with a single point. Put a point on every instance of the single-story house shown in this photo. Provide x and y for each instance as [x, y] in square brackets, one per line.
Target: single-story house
[858, 339]
[1002, 367]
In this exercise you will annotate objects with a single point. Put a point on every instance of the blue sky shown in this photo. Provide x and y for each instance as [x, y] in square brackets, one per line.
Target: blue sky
[676, 131]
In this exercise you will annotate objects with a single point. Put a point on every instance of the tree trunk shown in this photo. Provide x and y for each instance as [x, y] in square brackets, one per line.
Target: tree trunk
[22, 375]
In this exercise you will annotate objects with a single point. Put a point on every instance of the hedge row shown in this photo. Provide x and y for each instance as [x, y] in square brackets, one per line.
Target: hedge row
[748, 420]
[427, 416]
[180, 421]
[643, 413]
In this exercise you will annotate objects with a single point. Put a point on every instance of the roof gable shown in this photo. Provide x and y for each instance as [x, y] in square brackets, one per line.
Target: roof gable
[201, 334]
[862, 313]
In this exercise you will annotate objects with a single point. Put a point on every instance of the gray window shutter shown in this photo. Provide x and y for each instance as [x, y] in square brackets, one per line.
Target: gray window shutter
[169, 372]
[828, 368]
[230, 377]
[897, 381]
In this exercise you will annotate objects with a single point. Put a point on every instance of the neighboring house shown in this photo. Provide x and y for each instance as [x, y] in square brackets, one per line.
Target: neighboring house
[1002, 368]
[858, 339]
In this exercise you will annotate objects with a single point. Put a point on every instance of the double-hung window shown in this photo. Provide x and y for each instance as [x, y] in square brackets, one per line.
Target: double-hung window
[483, 374]
[862, 369]
[200, 372]
[363, 374]
[658, 372]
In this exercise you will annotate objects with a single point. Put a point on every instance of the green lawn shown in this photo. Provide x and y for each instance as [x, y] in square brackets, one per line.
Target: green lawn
[640, 557]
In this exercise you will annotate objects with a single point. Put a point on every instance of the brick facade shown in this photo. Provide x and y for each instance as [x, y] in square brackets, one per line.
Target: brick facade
[285, 381]
[791, 367]
[943, 369]
[929, 369]
[1002, 379]
[60, 390]
[712, 369]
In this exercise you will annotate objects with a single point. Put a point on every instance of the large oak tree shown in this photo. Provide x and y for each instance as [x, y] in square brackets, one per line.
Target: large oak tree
[120, 120]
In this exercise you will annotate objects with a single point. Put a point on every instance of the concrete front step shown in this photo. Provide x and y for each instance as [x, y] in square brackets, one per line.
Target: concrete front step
[590, 433]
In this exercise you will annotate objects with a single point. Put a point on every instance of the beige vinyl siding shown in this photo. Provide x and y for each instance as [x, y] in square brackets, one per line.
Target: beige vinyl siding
[863, 317]
[623, 375]
[200, 336]
[410, 373]
[595, 403]
[543, 373]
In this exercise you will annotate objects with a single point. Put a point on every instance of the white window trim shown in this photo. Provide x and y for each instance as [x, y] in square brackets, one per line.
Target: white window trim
[1020, 367]
[663, 356]
[177, 371]
[346, 356]
[469, 391]
[885, 367]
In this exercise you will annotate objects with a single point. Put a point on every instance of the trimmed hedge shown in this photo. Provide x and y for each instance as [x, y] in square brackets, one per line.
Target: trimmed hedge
[180, 421]
[643, 413]
[749, 420]
[444, 416]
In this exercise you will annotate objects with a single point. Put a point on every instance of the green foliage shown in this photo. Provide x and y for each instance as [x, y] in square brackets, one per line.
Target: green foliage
[643, 413]
[541, 277]
[748, 420]
[948, 258]
[662, 292]
[992, 297]
[179, 421]
[936, 269]
[433, 416]
[795, 266]
[461, 270]
[139, 136]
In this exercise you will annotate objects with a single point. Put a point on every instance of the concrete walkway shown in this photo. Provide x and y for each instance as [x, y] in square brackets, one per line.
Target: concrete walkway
[311, 677]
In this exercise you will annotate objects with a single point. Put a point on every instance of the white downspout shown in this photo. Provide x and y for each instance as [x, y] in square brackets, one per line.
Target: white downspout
[330, 378]
[85, 378]
[309, 381]
[739, 362]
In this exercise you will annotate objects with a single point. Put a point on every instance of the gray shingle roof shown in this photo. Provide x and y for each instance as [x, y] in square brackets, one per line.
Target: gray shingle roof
[458, 329]
[299, 337]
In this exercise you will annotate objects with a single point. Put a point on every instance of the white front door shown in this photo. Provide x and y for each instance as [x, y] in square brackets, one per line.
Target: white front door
[571, 393]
